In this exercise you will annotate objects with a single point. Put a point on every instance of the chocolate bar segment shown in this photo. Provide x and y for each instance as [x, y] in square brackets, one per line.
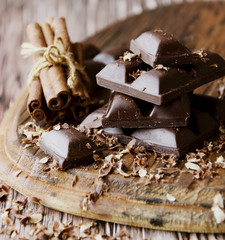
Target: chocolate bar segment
[68, 147]
[213, 106]
[159, 47]
[177, 141]
[126, 112]
[121, 72]
[161, 85]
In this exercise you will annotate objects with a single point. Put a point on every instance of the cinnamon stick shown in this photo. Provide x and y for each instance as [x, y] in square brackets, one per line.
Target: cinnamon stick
[48, 33]
[80, 91]
[78, 52]
[60, 30]
[56, 92]
[36, 103]
[53, 79]
[81, 88]
[79, 112]
[56, 74]
[35, 36]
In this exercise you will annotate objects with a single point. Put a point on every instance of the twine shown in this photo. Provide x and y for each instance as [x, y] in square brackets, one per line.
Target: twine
[52, 55]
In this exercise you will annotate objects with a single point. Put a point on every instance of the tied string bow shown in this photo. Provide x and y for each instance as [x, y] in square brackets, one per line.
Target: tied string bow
[53, 55]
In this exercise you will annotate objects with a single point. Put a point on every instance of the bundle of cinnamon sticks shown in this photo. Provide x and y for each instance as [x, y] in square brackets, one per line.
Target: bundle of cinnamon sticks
[49, 91]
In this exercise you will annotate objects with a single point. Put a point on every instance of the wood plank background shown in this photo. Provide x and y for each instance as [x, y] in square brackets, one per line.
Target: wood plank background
[84, 18]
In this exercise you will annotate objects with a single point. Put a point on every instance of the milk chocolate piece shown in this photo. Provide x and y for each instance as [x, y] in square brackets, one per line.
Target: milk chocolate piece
[126, 112]
[68, 147]
[159, 47]
[110, 54]
[161, 85]
[213, 106]
[177, 141]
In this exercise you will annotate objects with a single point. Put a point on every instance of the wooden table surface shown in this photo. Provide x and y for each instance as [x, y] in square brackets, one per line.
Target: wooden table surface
[83, 20]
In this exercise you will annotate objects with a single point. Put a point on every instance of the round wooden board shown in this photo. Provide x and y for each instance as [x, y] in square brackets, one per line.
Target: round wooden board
[198, 25]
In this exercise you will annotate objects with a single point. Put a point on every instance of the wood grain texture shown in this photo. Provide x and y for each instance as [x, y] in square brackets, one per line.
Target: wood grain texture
[16, 15]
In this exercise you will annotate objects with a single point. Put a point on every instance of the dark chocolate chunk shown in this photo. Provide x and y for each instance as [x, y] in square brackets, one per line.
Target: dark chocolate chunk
[68, 147]
[159, 47]
[161, 85]
[177, 141]
[110, 54]
[213, 106]
[126, 112]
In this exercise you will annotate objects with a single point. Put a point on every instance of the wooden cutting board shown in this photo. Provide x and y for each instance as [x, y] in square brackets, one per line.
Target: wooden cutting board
[128, 200]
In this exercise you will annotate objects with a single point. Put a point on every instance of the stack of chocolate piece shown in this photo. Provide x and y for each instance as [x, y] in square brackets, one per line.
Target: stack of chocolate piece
[152, 98]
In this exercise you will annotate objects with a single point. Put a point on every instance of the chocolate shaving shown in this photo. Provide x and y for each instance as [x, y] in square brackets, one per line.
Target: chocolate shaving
[169, 171]
[4, 191]
[66, 233]
[131, 144]
[105, 169]
[74, 181]
[100, 188]
[37, 201]
[85, 203]
[25, 220]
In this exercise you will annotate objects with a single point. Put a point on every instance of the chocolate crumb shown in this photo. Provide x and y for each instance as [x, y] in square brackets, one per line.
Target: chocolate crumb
[214, 65]
[57, 127]
[131, 144]
[65, 125]
[37, 201]
[35, 217]
[136, 74]
[85, 203]
[170, 197]
[25, 220]
[74, 181]
[17, 173]
[161, 67]
[4, 191]
[128, 56]
[66, 233]
[88, 145]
